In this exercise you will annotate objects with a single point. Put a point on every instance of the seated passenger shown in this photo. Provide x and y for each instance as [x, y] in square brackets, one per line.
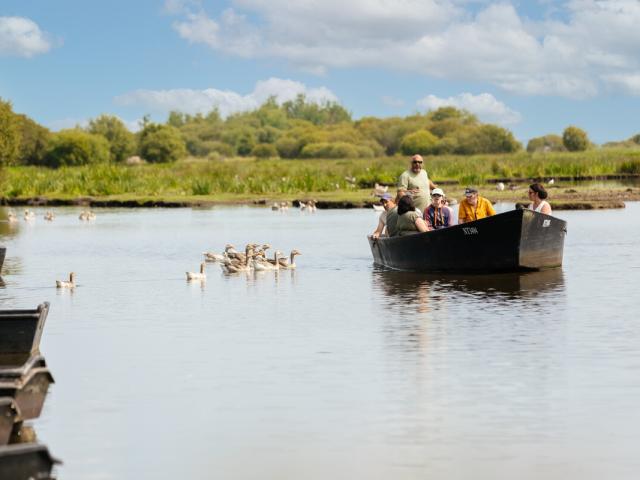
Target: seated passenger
[537, 195]
[438, 215]
[408, 219]
[388, 204]
[474, 207]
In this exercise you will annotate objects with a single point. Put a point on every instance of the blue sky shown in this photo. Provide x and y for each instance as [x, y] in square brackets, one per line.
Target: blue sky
[534, 67]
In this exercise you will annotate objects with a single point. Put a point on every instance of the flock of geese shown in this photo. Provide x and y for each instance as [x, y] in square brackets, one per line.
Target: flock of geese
[231, 261]
[309, 206]
[254, 258]
[49, 216]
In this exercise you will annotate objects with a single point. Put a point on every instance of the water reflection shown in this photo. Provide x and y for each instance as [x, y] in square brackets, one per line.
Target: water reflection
[405, 286]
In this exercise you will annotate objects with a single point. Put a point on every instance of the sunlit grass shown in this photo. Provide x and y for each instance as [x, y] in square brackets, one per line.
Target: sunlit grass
[244, 176]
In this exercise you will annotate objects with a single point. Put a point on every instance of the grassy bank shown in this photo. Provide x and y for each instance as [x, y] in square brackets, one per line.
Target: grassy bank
[244, 178]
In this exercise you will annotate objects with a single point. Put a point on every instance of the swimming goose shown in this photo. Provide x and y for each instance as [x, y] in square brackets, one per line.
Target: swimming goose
[500, 186]
[29, 215]
[49, 216]
[213, 257]
[196, 275]
[378, 208]
[67, 284]
[289, 265]
[267, 264]
[236, 266]
[11, 217]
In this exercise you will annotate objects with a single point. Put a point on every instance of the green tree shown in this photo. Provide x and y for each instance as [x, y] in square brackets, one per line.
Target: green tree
[121, 140]
[9, 135]
[288, 146]
[546, 143]
[76, 147]
[422, 142]
[34, 141]
[264, 150]
[575, 139]
[161, 143]
[495, 139]
[325, 114]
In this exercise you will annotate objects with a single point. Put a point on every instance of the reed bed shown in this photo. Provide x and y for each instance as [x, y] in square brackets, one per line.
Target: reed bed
[198, 177]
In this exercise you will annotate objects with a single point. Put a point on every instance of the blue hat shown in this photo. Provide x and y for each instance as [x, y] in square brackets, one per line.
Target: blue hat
[386, 196]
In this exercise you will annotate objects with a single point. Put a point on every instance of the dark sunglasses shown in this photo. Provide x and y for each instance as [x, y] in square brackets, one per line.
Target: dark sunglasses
[417, 163]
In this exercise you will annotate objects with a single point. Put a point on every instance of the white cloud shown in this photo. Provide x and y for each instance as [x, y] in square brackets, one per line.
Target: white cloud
[227, 101]
[22, 37]
[572, 55]
[484, 105]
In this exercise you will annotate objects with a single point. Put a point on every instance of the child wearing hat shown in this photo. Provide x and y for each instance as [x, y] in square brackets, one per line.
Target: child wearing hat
[437, 215]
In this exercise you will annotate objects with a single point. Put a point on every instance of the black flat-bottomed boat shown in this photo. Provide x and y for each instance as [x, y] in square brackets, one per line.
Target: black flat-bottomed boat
[518, 240]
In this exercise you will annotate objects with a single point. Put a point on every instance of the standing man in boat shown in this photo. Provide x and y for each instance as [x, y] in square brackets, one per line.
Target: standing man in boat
[474, 207]
[416, 182]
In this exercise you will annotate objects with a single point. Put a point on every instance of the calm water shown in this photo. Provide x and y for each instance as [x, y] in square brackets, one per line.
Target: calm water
[338, 370]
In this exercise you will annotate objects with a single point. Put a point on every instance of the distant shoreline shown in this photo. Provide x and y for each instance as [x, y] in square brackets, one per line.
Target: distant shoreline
[562, 197]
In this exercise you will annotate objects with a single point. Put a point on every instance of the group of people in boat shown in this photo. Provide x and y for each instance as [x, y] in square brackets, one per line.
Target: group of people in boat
[421, 206]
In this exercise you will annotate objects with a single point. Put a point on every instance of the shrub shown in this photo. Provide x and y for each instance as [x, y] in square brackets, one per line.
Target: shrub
[329, 150]
[632, 166]
[575, 139]
[288, 147]
[546, 143]
[422, 142]
[264, 150]
[161, 143]
[76, 147]
[201, 187]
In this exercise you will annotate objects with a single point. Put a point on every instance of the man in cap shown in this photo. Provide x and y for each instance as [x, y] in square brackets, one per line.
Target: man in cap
[387, 201]
[474, 207]
[438, 215]
[416, 182]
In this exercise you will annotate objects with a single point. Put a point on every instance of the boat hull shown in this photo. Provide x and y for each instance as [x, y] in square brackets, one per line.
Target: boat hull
[26, 461]
[21, 331]
[518, 240]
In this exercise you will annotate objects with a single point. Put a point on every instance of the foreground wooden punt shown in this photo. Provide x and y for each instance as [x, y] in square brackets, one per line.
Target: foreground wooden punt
[8, 414]
[3, 253]
[28, 461]
[518, 240]
[28, 390]
[20, 332]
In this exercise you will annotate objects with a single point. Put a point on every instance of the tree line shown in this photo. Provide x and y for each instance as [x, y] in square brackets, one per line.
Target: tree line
[293, 129]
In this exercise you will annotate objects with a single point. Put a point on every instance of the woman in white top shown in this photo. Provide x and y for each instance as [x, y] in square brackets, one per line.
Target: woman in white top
[537, 195]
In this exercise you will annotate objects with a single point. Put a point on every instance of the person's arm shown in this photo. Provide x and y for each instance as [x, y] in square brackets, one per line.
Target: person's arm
[421, 225]
[403, 181]
[462, 214]
[546, 208]
[450, 222]
[432, 185]
[379, 229]
[490, 210]
[427, 220]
